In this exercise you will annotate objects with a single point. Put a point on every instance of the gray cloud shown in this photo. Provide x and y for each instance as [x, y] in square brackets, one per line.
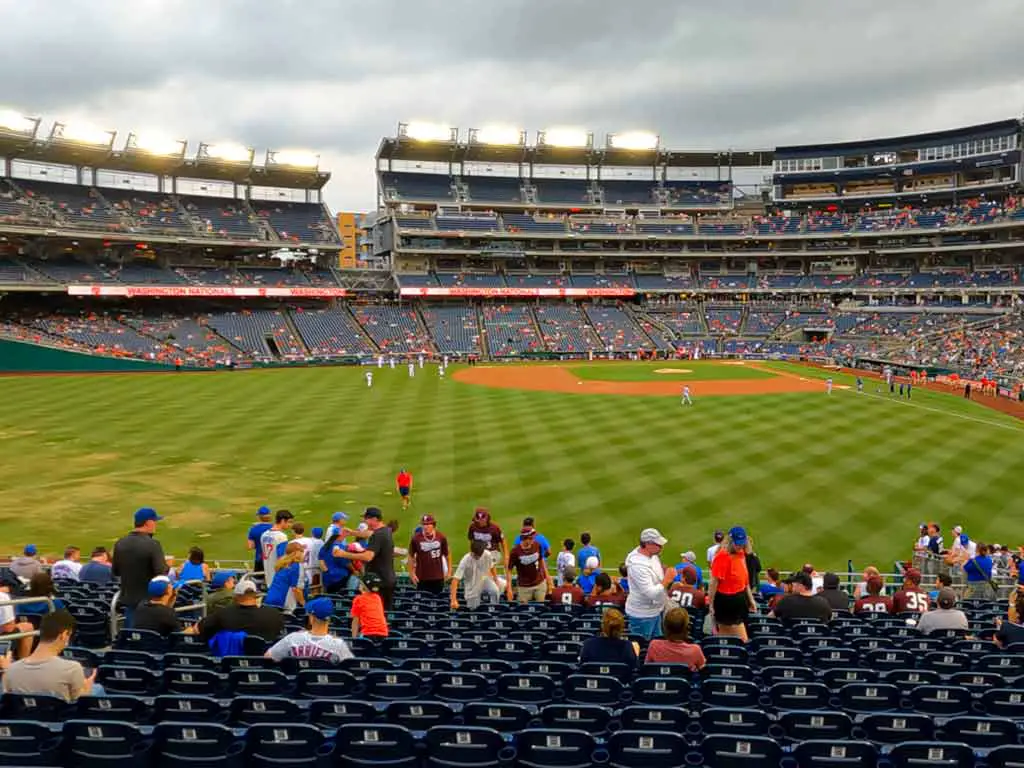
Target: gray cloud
[335, 75]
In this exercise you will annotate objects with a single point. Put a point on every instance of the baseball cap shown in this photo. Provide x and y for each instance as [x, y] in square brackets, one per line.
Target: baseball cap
[738, 536]
[30, 549]
[373, 512]
[830, 581]
[320, 608]
[946, 598]
[652, 536]
[220, 578]
[263, 512]
[372, 582]
[912, 574]
[157, 587]
[689, 556]
[957, 530]
[801, 578]
[337, 517]
[965, 539]
[593, 563]
[481, 515]
[527, 532]
[246, 587]
[427, 520]
[144, 515]
[318, 533]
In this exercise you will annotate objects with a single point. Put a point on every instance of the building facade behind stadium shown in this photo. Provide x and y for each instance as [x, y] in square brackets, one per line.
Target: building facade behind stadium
[906, 250]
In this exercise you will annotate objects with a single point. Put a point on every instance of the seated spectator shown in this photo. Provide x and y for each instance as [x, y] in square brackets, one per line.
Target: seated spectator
[802, 603]
[97, 570]
[874, 601]
[837, 598]
[41, 585]
[45, 671]
[689, 560]
[27, 564]
[317, 642]
[367, 612]
[686, 594]
[606, 593]
[774, 584]
[861, 590]
[222, 591]
[676, 647]
[70, 567]
[156, 612]
[8, 624]
[194, 569]
[567, 593]
[941, 581]
[246, 616]
[978, 570]
[285, 591]
[910, 599]
[946, 616]
[611, 646]
[623, 580]
[478, 576]
[585, 580]
[1011, 629]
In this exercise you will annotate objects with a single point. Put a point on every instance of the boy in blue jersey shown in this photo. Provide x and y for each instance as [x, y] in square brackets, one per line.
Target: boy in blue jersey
[252, 539]
[285, 590]
[587, 550]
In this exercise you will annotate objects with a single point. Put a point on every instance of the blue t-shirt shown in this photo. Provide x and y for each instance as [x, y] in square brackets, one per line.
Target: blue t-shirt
[189, 572]
[697, 568]
[586, 583]
[542, 542]
[979, 568]
[338, 568]
[254, 536]
[40, 609]
[624, 584]
[767, 588]
[588, 551]
[96, 573]
[285, 579]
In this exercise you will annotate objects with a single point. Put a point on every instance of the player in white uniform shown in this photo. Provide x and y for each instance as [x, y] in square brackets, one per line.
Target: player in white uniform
[412, 369]
[420, 361]
[391, 362]
[444, 361]
[380, 361]
[440, 371]
[828, 386]
[369, 378]
[686, 396]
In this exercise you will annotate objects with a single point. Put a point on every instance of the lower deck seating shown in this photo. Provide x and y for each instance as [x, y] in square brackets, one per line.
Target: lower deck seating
[332, 332]
[617, 330]
[393, 329]
[250, 330]
[454, 328]
[564, 328]
[510, 330]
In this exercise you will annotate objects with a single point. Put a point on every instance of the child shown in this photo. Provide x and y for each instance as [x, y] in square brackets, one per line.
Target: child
[368, 619]
[588, 578]
[623, 579]
[195, 569]
[566, 559]
[285, 590]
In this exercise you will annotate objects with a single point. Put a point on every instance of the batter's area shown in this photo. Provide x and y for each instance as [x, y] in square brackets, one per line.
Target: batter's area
[555, 378]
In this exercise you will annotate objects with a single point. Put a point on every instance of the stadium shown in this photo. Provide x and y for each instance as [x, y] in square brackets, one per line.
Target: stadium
[602, 335]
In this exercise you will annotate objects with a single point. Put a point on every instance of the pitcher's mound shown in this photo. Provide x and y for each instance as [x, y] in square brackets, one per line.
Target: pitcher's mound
[673, 370]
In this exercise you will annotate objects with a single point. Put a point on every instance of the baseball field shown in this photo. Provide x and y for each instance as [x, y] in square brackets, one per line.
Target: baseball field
[604, 447]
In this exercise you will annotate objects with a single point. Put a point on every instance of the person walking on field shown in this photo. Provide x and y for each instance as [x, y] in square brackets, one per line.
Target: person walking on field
[404, 482]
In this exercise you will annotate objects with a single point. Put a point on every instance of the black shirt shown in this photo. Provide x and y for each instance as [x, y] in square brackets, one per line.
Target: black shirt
[754, 570]
[156, 618]
[802, 607]
[608, 650]
[836, 598]
[138, 557]
[259, 620]
[1010, 633]
[382, 544]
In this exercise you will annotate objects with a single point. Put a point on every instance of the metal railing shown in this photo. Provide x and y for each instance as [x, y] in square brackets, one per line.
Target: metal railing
[26, 601]
[115, 602]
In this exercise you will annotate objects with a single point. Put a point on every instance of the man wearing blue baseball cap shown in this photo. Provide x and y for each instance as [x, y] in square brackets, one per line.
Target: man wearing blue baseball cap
[138, 558]
[27, 564]
[317, 642]
[338, 520]
[156, 614]
[256, 531]
[222, 591]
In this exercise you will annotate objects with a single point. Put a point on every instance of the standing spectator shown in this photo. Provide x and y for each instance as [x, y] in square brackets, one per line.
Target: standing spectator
[753, 565]
[802, 603]
[336, 570]
[605, 593]
[676, 648]
[45, 671]
[312, 565]
[532, 579]
[478, 575]
[837, 598]
[713, 549]
[910, 599]
[138, 557]
[97, 570]
[545, 547]
[611, 646]
[222, 591]
[285, 591]
[28, 563]
[873, 601]
[567, 593]
[978, 570]
[566, 561]
[368, 612]
[483, 529]
[157, 613]
[689, 560]
[316, 642]
[274, 541]
[729, 593]
[194, 569]
[587, 550]
[946, 616]
[648, 579]
[70, 567]
[429, 559]
[255, 534]
[306, 542]
[338, 520]
[246, 615]
[379, 555]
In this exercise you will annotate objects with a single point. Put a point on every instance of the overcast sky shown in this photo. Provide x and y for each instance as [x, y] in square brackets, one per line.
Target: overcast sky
[334, 76]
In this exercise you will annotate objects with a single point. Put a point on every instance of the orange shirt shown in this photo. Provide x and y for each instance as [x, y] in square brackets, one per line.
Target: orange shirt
[403, 480]
[731, 572]
[369, 609]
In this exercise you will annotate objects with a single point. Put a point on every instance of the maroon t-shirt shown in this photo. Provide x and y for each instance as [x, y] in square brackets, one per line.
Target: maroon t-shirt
[567, 594]
[912, 599]
[687, 596]
[529, 566]
[873, 604]
[617, 599]
[429, 556]
[490, 535]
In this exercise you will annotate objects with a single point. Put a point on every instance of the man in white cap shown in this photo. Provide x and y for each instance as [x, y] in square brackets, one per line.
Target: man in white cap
[648, 580]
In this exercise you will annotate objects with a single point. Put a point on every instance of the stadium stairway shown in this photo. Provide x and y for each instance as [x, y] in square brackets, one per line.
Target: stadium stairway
[635, 319]
[485, 353]
[647, 321]
[290, 322]
[536, 325]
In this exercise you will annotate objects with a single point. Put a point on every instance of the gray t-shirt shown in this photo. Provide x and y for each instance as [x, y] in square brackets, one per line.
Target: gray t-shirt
[473, 573]
[305, 645]
[382, 545]
[942, 618]
[55, 677]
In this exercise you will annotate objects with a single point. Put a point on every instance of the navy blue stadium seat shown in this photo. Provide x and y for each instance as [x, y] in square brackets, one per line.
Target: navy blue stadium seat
[125, 709]
[603, 690]
[326, 684]
[782, 656]
[459, 686]
[554, 748]
[256, 710]
[935, 754]
[1009, 665]
[328, 714]
[195, 744]
[393, 684]
[192, 682]
[941, 700]
[33, 706]
[665, 670]
[427, 668]
[718, 692]
[799, 695]
[102, 744]
[283, 743]
[140, 640]
[742, 672]
[646, 749]
[405, 647]
[726, 653]
[869, 697]
[836, 678]
[251, 681]
[946, 662]
[134, 681]
[28, 743]
[621, 672]
[494, 667]
[977, 682]
[558, 670]
[510, 650]
[123, 658]
[179, 660]
[462, 745]
[589, 717]
[727, 751]
[1004, 702]
[501, 716]
[459, 649]
[230, 663]
[526, 688]
[979, 733]
[419, 715]
[894, 728]
[1009, 756]
[663, 691]
[835, 754]
[735, 721]
[819, 725]
[187, 709]
[884, 659]
[908, 678]
[642, 717]
[831, 657]
[560, 650]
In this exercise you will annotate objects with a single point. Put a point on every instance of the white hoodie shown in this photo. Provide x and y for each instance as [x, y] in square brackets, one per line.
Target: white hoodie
[647, 597]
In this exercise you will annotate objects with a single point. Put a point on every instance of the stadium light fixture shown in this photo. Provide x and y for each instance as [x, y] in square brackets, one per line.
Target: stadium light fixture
[636, 141]
[296, 158]
[16, 122]
[428, 132]
[155, 144]
[567, 138]
[83, 133]
[229, 153]
[498, 135]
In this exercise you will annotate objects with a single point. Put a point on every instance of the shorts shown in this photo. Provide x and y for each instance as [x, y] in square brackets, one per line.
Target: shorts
[534, 594]
[731, 610]
[403, 490]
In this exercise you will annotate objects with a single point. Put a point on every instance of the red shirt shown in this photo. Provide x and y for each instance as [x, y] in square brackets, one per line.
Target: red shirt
[428, 556]
[687, 596]
[404, 480]
[873, 604]
[731, 572]
[368, 607]
[662, 651]
[529, 566]
[567, 594]
[608, 598]
[490, 535]
[910, 599]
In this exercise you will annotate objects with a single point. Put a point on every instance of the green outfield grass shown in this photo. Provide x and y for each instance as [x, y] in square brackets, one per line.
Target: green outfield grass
[698, 370]
[813, 477]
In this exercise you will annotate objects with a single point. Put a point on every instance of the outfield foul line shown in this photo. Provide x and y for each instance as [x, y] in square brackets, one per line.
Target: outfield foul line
[939, 410]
